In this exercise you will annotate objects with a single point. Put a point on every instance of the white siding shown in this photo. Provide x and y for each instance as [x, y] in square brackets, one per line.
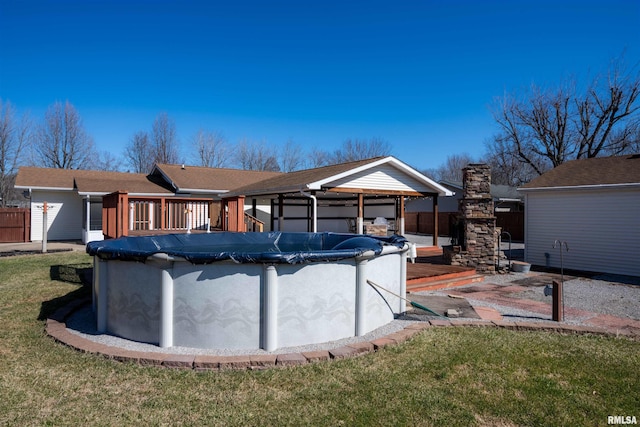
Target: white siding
[601, 228]
[64, 217]
[384, 177]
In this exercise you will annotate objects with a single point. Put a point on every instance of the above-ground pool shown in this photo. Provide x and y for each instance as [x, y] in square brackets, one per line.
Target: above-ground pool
[246, 290]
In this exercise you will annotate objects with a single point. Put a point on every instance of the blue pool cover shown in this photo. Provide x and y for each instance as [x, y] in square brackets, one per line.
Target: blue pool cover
[275, 247]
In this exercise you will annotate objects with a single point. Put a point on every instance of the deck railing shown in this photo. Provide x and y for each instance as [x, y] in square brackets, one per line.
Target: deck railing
[253, 224]
[145, 214]
[124, 215]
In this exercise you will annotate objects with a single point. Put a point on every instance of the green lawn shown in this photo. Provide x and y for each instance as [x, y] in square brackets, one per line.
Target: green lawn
[444, 376]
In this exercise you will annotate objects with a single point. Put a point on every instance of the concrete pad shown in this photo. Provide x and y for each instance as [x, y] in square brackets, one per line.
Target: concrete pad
[441, 304]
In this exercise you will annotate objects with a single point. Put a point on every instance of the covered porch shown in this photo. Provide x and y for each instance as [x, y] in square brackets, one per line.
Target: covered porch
[364, 197]
[353, 212]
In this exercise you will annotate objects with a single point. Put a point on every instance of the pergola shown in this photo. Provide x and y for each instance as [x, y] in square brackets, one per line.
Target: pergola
[330, 196]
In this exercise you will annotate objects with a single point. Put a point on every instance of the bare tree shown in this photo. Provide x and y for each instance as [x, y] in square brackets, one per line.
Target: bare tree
[106, 161]
[550, 127]
[212, 149]
[507, 169]
[292, 157]
[608, 114]
[164, 140]
[14, 136]
[62, 141]
[139, 153]
[360, 149]
[259, 157]
[451, 170]
[318, 158]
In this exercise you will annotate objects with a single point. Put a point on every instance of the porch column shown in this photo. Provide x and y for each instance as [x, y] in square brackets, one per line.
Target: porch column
[272, 219]
[224, 207]
[87, 225]
[235, 214]
[163, 208]
[239, 214]
[360, 219]
[435, 219]
[280, 212]
[401, 217]
[152, 219]
[314, 212]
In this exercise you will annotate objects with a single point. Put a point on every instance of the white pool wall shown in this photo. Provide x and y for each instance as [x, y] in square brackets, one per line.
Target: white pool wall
[226, 305]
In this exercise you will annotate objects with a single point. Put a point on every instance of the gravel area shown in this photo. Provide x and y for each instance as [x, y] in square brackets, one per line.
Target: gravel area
[604, 294]
[600, 296]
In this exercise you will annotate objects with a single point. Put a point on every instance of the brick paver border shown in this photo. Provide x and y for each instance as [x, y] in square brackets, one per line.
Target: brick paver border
[56, 328]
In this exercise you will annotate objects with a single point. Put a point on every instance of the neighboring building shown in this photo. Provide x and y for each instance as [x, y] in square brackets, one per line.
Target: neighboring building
[178, 197]
[594, 206]
[505, 199]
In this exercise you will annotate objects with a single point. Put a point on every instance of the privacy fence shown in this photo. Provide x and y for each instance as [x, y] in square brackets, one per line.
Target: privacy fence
[422, 223]
[15, 225]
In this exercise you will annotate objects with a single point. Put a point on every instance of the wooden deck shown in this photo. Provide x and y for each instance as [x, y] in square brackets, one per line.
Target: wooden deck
[136, 233]
[430, 272]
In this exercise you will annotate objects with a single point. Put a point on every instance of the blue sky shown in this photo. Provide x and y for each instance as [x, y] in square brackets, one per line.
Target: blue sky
[418, 74]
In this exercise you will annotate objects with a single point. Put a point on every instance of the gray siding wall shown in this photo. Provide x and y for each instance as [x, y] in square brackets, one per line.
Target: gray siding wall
[601, 227]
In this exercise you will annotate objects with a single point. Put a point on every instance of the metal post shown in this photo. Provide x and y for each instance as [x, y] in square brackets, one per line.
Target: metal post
[558, 300]
[44, 227]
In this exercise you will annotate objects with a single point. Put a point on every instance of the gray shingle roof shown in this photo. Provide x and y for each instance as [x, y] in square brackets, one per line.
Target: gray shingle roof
[86, 181]
[597, 171]
[294, 181]
[202, 178]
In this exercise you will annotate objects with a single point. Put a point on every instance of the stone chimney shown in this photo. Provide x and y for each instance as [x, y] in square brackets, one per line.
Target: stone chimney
[478, 243]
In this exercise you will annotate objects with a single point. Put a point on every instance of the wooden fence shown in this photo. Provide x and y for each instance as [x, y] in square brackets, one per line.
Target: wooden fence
[15, 225]
[422, 223]
[513, 222]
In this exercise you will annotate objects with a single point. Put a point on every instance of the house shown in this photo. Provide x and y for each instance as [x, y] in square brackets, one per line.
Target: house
[594, 206]
[85, 205]
[75, 197]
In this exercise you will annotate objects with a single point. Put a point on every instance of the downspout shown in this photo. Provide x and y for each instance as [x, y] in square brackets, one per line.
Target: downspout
[315, 210]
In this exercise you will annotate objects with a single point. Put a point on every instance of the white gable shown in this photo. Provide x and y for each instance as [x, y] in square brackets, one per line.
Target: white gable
[381, 177]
